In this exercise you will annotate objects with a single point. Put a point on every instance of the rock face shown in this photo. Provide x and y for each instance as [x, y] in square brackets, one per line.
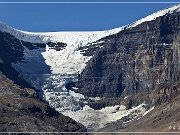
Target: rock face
[21, 111]
[137, 60]
[57, 46]
[11, 50]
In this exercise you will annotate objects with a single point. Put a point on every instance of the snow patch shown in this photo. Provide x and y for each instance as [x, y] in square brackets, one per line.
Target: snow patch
[95, 98]
[155, 15]
[148, 111]
[96, 119]
[76, 95]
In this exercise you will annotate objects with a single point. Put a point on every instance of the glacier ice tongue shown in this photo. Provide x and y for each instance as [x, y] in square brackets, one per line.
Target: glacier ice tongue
[60, 98]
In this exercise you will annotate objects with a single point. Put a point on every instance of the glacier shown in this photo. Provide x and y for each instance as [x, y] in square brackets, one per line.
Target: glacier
[65, 65]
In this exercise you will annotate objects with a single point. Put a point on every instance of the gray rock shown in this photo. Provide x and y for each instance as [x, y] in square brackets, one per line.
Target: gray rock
[137, 60]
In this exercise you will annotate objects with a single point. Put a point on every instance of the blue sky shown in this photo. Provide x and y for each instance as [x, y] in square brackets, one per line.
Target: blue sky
[74, 17]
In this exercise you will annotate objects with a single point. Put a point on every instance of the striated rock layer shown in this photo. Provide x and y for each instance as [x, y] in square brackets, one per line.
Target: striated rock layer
[137, 60]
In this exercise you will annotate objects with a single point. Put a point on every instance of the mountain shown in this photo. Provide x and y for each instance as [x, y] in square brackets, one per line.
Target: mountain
[22, 111]
[136, 60]
[99, 77]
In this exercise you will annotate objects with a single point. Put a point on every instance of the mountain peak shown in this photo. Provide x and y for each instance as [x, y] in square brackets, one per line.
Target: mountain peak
[170, 10]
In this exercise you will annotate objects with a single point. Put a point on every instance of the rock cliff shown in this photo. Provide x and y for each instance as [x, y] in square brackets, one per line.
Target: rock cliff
[141, 59]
